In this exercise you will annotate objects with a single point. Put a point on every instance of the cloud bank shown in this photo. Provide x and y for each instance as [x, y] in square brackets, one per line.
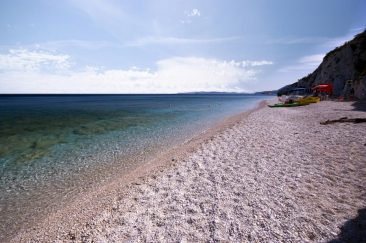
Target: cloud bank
[190, 15]
[305, 63]
[23, 71]
[24, 60]
[194, 12]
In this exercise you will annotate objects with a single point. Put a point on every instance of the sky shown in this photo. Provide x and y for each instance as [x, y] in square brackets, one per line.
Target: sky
[156, 46]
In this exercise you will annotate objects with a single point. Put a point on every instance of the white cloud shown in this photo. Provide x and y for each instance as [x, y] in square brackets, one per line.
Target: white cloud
[25, 60]
[59, 45]
[328, 42]
[158, 40]
[298, 40]
[334, 42]
[92, 45]
[189, 15]
[312, 60]
[338, 41]
[194, 12]
[256, 63]
[305, 64]
[308, 64]
[171, 75]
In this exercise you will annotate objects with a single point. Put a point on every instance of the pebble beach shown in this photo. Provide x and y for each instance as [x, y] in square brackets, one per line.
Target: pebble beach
[270, 175]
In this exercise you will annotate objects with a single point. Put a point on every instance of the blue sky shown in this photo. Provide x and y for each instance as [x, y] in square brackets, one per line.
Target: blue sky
[95, 46]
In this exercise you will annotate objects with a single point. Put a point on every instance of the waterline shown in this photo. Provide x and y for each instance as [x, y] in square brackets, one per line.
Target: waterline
[56, 146]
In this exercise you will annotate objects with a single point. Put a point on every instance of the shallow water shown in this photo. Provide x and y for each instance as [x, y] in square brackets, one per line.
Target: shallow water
[51, 146]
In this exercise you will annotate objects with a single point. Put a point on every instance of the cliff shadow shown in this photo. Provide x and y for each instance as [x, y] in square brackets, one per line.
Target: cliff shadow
[360, 105]
[354, 230]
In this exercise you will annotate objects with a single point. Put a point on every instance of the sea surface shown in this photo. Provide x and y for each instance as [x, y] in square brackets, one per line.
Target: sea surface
[55, 146]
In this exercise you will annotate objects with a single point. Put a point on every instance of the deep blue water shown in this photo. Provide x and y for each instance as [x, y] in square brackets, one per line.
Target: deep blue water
[51, 145]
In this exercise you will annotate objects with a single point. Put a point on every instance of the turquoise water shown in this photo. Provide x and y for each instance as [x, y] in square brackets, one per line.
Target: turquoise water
[54, 146]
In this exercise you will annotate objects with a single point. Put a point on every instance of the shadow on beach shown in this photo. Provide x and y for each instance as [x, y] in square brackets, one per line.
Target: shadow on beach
[354, 230]
[359, 105]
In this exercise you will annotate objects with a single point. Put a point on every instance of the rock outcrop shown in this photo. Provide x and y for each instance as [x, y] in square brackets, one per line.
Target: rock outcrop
[347, 62]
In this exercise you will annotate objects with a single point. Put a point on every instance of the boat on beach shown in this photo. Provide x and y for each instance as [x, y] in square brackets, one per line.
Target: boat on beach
[285, 105]
[296, 97]
[308, 100]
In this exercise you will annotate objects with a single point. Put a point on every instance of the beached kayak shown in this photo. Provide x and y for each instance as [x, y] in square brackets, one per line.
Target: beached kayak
[285, 105]
[308, 100]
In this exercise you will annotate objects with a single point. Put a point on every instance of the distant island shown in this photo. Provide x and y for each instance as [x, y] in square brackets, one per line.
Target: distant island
[271, 92]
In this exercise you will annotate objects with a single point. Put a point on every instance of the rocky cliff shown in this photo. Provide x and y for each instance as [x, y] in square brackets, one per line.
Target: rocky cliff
[347, 62]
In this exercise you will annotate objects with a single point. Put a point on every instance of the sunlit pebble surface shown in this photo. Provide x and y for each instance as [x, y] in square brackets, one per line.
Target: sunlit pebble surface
[276, 176]
[45, 185]
[53, 159]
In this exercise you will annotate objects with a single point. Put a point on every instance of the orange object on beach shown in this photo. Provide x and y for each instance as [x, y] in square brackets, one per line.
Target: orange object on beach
[323, 88]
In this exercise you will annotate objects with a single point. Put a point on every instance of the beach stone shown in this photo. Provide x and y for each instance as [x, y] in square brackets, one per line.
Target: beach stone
[275, 176]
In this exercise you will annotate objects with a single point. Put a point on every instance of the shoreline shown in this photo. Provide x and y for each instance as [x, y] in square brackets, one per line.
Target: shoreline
[91, 199]
[270, 175]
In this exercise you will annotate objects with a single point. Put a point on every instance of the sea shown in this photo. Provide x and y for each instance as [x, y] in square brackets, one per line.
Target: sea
[53, 147]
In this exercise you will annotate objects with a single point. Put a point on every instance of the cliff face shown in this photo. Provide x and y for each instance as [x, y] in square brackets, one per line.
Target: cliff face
[343, 63]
